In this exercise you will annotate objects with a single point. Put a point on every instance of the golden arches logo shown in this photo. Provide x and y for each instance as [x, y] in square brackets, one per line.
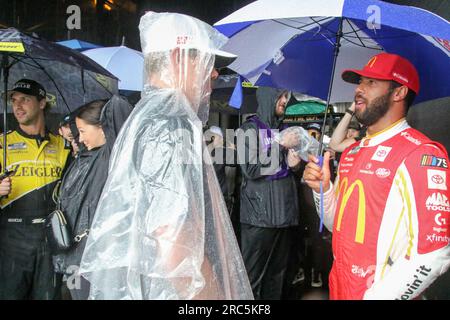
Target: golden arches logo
[361, 219]
[371, 62]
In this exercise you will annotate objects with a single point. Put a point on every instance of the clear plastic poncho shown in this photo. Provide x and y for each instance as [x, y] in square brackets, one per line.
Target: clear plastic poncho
[161, 229]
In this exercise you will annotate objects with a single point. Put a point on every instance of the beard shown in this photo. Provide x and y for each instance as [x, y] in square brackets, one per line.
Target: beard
[374, 111]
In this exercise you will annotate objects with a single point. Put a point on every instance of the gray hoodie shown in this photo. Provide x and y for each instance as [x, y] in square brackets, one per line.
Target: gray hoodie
[264, 202]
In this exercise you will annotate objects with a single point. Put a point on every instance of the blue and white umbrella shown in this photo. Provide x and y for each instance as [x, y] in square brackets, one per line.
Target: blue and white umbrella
[78, 45]
[125, 63]
[291, 44]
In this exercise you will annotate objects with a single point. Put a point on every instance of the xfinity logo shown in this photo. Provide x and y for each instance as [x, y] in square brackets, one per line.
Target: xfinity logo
[435, 238]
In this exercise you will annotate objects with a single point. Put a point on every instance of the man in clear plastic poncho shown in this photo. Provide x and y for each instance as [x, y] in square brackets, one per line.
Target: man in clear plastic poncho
[161, 229]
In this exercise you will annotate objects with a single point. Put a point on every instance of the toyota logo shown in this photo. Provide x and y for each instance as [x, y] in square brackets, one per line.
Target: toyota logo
[437, 179]
[381, 153]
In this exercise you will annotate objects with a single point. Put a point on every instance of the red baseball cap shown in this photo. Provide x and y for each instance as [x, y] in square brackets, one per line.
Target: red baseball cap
[386, 66]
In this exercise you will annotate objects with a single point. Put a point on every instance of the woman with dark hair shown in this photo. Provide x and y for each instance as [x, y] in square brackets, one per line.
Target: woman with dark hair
[98, 123]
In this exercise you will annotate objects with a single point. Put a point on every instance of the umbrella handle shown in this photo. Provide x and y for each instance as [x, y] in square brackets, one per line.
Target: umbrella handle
[5, 69]
[321, 197]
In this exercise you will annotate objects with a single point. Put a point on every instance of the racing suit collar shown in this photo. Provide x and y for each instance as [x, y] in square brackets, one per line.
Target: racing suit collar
[36, 137]
[370, 141]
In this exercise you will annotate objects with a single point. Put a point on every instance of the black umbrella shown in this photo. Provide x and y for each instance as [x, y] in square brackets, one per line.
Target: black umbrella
[223, 89]
[70, 78]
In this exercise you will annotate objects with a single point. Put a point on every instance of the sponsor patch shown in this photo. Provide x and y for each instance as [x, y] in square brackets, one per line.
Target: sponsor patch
[381, 153]
[17, 146]
[346, 164]
[354, 150]
[433, 161]
[410, 138]
[439, 220]
[383, 173]
[436, 238]
[360, 272]
[437, 202]
[439, 230]
[437, 179]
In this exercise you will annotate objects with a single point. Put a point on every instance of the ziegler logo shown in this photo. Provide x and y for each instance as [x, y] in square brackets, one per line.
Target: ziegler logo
[437, 202]
[383, 173]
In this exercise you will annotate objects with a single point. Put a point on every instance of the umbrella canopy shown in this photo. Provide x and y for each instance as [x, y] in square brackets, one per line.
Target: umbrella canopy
[300, 37]
[70, 78]
[305, 108]
[78, 45]
[223, 88]
[125, 63]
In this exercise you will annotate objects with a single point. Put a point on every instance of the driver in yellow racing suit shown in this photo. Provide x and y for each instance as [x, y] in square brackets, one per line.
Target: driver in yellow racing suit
[38, 159]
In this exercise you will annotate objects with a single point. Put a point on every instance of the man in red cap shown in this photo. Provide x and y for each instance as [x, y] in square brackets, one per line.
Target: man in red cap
[388, 208]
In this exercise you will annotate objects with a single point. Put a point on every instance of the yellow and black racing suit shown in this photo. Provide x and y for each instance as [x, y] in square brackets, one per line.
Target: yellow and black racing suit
[26, 270]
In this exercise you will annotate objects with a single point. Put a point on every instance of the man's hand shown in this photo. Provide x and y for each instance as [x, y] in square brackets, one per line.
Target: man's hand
[5, 186]
[352, 107]
[293, 159]
[313, 174]
[290, 139]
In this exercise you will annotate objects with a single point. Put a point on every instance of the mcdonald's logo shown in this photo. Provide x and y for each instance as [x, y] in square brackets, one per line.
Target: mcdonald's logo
[371, 62]
[361, 219]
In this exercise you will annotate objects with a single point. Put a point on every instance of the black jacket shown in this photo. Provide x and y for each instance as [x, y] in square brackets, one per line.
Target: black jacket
[83, 181]
[266, 203]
